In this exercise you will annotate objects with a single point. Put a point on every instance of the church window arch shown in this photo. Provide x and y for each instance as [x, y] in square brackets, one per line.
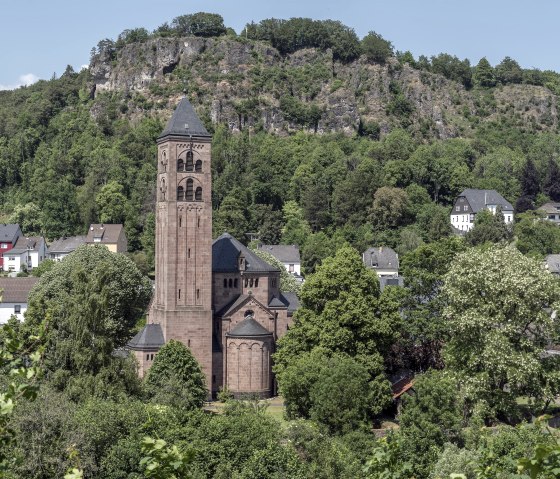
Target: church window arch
[180, 165]
[225, 282]
[251, 283]
[246, 282]
[189, 190]
[248, 313]
[190, 164]
[198, 194]
[257, 283]
[180, 194]
[230, 283]
[198, 166]
[163, 189]
[235, 283]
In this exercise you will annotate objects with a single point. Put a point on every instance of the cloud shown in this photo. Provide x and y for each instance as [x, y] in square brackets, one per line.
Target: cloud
[23, 80]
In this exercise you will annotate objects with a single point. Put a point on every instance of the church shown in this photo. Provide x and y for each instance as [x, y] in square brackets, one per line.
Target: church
[217, 297]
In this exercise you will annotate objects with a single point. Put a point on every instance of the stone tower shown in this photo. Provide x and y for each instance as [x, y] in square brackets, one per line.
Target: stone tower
[182, 303]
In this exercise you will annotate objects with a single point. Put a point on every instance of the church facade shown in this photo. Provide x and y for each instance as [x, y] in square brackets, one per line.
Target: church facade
[216, 297]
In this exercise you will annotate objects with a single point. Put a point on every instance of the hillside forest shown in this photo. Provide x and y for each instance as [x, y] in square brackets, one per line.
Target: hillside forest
[329, 142]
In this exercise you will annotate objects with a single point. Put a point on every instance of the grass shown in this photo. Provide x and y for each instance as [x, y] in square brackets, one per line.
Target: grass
[274, 408]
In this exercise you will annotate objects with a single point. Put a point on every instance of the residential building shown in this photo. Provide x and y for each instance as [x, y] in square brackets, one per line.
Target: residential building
[288, 255]
[27, 253]
[471, 201]
[385, 262]
[217, 297]
[9, 234]
[62, 247]
[551, 211]
[15, 292]
[552, 263]
[110, 235]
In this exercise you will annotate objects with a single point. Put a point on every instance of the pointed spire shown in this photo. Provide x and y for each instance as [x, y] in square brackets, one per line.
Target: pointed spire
[184, 122]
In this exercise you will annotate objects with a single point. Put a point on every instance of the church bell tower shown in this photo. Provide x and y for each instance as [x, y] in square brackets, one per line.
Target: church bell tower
[182, 303]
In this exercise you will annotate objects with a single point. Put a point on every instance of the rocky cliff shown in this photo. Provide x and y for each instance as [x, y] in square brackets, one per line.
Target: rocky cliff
[248, 84]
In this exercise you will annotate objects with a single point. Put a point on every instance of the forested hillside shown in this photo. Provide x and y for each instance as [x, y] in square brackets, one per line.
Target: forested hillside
[320, 138]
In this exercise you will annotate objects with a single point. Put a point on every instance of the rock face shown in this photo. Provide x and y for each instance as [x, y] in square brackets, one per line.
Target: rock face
[247, 84]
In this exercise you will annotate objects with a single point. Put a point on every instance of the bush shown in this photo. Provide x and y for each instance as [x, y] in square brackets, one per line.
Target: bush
[376, 48]
[175, 377]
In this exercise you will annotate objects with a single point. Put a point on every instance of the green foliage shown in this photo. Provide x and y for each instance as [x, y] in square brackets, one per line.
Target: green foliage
[28, 217]
[288, 282]
[376, 48]
[291, 35]
[535, 235]
[391, 208]
[451, 67]
[111, 203]
[199, 24]
[484, 75]
[494, 298]
[163, 462]
[343, 313]
[431, 417]
[93, 300]
[386, 462]
[175, 377]
[43, 268]
[489, 227]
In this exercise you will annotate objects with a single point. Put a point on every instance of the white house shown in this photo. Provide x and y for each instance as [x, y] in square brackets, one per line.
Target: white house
[28, 252]
[471, 201]
[62, 247]
[288, 255]
[551, 211]
[385, 262]
[15, 292]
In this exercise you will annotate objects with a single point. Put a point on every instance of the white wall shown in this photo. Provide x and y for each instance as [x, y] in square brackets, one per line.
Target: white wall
[464, 222]
[7, 310]
[296, 268]
[13, 264]
[387, 272]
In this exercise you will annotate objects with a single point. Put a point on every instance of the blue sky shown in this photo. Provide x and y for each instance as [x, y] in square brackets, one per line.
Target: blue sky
[39, 37]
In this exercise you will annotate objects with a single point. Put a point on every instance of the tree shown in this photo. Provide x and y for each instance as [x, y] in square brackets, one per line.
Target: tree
[111, 203]
[376, 48]
[499, 317]
[535, 235]
[390, 209]
[296, 230]
[199, 24]
[28, 217]
[530, 180]
[489, 227]
[424, 330]
[508, 71]
[342, 312]
[431, 417]
[92, 301]
[484, 74]
[175, 377]
[551, 186]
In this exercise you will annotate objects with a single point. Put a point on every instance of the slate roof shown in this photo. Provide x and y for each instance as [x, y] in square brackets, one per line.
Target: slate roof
[150, 337]
[248, 327]
[31, 242]
[9, 233]
[282, 252]
[225, 254]
[233, 305]
[480, 199]
[553, 263]
[381, 257]
[184, 122]
[66, 245]
[277, 303]
[291, 300]
[107, 233]
[16, 290]
[550, 208]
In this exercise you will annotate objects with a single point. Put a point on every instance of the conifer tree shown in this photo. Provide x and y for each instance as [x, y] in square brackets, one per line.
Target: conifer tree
[530, 182]
[552, 181]
[484, 74]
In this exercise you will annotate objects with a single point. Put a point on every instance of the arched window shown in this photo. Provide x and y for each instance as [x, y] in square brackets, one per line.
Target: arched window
[198, 194]
[249, 313]
[198, 166]
[189, 161]
[230, 283]
[162, 189]
[246, 282]
[180, 194]
[235, 283]
[257, 283]
[189, 192]
[251, 283]
[225, 282]
[180, 165]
